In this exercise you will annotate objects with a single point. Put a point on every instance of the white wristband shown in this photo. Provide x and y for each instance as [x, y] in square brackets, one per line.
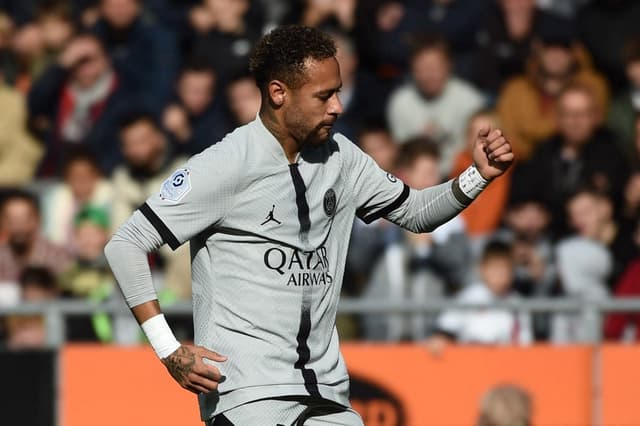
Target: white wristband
[160, 336]
[471, 182]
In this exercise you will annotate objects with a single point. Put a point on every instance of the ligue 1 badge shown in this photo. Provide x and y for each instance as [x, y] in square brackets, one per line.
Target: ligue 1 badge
[176, 186]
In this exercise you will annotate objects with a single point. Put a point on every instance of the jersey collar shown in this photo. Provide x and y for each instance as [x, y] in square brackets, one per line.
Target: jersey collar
[268, 141]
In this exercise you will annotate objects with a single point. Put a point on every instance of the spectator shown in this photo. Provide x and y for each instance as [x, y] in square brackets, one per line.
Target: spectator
[8, 58]
[24, 245]
[28, 46]
[604, 26]
[20, 12]
[89, 275]
[527, 222]
[376, 141]
[417, 266]
[590, 214]
[144, 54]
[83, 184]
[584, 266]
[625, 325]
[38, 285]
[526, 228]
[384, 29]
[625, 108]
[56, 28]
[78, 101]
[323, 13]
[244, 98]
[506, 405]
[526, 104]
[631, 203]
[435, 103]
[148, 162]
[488, 325]
[359, 95]
[19, 151]
[579, 154]
[504, 42]
[483, 216]
[90, 278]
[226, 46]
[197, 119]
[368, 241]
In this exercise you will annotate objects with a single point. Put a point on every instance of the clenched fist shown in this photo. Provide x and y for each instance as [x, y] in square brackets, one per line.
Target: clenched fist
[492, 153]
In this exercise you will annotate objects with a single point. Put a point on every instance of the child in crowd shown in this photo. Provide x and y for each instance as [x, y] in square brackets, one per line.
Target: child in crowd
[486, 325]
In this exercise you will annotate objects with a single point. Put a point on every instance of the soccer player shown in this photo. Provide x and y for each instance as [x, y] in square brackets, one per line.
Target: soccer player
[268, 211]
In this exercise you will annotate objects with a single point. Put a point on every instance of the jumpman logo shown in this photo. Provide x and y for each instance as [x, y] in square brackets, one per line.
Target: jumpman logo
[270, 217]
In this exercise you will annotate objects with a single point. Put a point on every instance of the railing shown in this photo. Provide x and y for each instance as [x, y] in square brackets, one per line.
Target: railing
[591, 311]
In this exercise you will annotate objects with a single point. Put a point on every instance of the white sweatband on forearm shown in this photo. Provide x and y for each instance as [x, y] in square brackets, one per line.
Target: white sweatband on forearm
[424, 210]
[160, 336]
[471, 182]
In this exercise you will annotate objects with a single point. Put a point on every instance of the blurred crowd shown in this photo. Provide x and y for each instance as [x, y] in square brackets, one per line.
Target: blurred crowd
[100, 100]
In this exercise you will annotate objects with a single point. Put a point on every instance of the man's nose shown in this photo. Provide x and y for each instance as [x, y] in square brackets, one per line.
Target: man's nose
[335, 108]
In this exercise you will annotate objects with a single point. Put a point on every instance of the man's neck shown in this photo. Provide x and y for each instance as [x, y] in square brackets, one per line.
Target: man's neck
[290, 146]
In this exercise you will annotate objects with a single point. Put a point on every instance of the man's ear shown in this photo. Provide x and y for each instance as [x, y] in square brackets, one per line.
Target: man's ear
[277, 92]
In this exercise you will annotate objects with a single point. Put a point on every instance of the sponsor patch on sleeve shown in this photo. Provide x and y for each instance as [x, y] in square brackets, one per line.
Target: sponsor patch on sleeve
[176, 186]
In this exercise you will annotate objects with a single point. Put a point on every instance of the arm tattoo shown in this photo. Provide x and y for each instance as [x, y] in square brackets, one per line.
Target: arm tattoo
[181, 363]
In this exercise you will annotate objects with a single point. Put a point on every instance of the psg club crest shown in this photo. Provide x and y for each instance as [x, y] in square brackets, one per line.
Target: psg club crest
[330, 202]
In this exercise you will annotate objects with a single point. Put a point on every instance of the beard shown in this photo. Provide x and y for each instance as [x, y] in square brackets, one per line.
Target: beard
[299, 128]
[19, 244]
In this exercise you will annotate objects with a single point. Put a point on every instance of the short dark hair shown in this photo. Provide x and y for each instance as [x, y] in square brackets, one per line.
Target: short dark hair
[429, 41]
[589, 190]
[419, 146]
[80, 154]
[198, 65]
[20, 195]
[136, 116]
[496, 249]
[40, 276]
[282, 54]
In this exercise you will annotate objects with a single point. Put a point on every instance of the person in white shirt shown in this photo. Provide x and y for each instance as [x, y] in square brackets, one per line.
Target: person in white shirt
[486, 325]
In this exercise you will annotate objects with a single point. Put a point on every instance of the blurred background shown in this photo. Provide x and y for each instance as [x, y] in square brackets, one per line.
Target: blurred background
[100, 100]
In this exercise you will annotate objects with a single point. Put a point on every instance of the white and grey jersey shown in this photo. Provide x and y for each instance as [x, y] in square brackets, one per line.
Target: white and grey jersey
[268, 244]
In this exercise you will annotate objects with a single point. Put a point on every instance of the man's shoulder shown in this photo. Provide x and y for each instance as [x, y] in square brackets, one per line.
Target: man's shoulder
[459, 88]
[407, 92]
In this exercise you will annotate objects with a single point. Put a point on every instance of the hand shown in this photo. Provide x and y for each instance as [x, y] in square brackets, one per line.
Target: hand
[175, 120]
[492, 153]
[75, 52]
[187, 367]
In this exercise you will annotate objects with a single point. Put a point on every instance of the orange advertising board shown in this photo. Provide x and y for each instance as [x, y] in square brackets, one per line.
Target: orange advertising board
[620, 392]
[392, 385]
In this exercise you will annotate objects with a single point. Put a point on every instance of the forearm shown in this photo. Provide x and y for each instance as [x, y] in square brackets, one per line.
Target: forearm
[425, 210]
[146, 310]
[127, 255]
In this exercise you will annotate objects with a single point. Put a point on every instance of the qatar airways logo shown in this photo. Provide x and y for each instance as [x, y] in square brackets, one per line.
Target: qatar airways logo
[304, 268]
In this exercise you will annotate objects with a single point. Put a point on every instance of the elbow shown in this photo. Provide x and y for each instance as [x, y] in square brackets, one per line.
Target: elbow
[418, 228]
